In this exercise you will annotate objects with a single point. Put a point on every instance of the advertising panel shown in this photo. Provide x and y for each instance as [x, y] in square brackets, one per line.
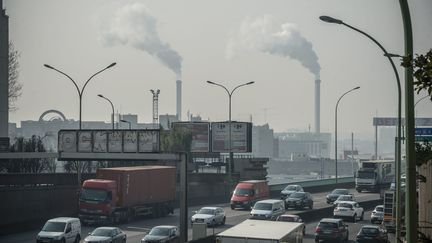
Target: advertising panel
[130, 142]
[200, 134]
[67, 141]
[100, 141]
[241, 134]
[115, 141]
[84, 141]
[148, 141]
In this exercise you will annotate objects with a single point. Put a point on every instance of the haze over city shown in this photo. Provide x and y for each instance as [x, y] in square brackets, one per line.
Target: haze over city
[281, 45]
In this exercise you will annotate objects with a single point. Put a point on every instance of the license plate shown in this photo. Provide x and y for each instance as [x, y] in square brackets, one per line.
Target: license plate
[327, 231]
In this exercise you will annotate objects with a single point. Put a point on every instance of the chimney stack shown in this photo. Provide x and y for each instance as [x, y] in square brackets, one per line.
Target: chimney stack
[317, 105]
[178, 103]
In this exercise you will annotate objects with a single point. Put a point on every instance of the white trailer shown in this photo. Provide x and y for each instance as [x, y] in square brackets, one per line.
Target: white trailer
[262, 231]
[374, 175]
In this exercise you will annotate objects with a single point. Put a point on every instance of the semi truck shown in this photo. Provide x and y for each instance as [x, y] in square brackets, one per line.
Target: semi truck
[262, 231]
[119, 194]
[374, 175]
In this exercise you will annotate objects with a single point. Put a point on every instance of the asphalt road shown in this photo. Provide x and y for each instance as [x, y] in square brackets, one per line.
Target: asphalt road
[138, 228]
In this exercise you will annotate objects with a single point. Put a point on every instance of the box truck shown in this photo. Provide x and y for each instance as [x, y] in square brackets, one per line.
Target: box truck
[374, 175]
[119, 194]
[260, 231]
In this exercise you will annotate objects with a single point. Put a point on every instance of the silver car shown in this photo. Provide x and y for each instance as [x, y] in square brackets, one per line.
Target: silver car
[210, 215]
[377, 214]
[106, 234]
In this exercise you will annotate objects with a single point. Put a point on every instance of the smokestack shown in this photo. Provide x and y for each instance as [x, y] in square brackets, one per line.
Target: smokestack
[178, 105]
[317, 106]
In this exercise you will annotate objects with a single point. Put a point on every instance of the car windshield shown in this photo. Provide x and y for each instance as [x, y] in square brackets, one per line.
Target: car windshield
[54, 227]
[370, 231]
[263, 206]
[206, 211]
[365, 175]
[243, 192]
[93, 195]
[297, 195]
[345, 205]
[328, 225]
[159, 231]
[290, 188]
[101, 232]
[340, 191]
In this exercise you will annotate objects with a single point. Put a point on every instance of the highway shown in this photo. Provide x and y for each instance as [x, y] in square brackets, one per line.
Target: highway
[136, 229]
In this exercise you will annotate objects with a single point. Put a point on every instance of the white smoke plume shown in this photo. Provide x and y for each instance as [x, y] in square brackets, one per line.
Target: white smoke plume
[134, 26]
[268, 36]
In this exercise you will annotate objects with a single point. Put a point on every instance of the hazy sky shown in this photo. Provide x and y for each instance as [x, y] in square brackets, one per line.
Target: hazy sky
[231, 42]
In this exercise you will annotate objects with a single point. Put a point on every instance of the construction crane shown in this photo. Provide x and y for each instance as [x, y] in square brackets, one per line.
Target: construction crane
[155, 105]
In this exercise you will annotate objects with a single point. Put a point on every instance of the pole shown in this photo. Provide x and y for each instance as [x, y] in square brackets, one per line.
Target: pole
[398, 155]
[183, 199]
[411, 195]
[352, 153]
[337, 104]
[230, 166]
[112, 108]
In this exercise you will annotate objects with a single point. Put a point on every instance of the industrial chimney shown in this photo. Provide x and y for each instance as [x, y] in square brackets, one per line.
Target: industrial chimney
[178, 104]
[317, 106]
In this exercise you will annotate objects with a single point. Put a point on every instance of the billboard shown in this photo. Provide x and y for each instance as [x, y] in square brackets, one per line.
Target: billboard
[392, 121]
[200, 134]
[241, 137]
[109, 141]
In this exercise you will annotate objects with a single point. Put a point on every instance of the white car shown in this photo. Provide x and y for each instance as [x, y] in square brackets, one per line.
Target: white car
[377, 214]
[209, 215]
[348, 209]
[342, 198]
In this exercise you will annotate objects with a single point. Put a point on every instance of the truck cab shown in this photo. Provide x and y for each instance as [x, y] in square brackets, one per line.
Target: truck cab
[97, 200]
[374, 175]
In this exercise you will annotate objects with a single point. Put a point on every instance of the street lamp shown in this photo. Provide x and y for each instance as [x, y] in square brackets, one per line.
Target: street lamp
[128, 122]
[337, 103]
[80, 92]
[399, 126]
[112, 106]
[231, 159]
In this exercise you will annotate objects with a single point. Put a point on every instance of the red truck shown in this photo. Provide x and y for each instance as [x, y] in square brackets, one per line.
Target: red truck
[119, 194]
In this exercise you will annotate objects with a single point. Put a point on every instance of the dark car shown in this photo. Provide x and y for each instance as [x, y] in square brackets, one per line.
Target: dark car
[288, 190]
[331, 229]
[372, 234]
[162, 234]
[299, 200]
[333, 196]
[106, 234]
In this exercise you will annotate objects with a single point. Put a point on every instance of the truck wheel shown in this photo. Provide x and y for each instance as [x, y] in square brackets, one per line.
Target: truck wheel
[311, 206]
[232, 207]
[77, 239]
[223, 221]
[359, 190]
[354, 218]
[362, 216]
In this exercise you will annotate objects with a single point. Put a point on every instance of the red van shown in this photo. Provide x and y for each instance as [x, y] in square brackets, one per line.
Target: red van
[247, 193]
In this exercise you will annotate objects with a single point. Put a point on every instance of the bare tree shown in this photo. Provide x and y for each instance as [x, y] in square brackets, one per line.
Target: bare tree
[15, 87]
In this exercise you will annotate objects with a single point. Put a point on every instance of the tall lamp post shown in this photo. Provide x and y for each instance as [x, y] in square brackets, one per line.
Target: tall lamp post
[112, 107]
[399, 126]
[337, 103]
[231, 160]
[128, 122]
[80, 92]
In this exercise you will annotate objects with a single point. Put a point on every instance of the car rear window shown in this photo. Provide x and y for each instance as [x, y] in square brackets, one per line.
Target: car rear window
[379, 209]
[370, 231]
[345, 205]
[328, 225]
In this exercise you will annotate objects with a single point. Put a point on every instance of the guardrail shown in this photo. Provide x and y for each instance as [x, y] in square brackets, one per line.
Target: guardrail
[315, 185]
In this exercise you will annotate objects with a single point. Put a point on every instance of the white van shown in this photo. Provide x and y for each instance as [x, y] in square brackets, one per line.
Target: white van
[62, 230]
[268, 209]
